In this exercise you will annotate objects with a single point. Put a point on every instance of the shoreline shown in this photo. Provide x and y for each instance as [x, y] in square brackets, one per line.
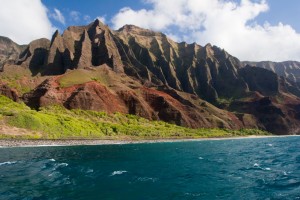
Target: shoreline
[6, 143]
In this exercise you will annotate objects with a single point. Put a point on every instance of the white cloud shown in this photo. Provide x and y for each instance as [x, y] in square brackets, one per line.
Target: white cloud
[102, 19]
[79, 17]
[75, 16]
[58, 16]
[24, 20]
[227, 24]
[87, 18]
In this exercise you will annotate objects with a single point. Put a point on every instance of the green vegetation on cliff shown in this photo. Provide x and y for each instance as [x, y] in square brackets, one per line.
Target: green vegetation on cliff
[56, 122]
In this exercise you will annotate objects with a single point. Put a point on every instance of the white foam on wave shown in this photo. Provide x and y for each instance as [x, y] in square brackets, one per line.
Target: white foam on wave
[200, 158]
[270, 145]
[118, 173]
[52, 160]
[62, 165]
[256, 165]
[58, 165]
[284, 173]
[8, 163]
[268, 169]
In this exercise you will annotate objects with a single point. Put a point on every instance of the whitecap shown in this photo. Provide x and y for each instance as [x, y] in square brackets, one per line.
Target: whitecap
[90, 171]
[118, 173]
[270, 145]
[8, 163]
[200, 158]
[62, 164]
[267, 168]
[52, 160]
[256, 165]
[284, 173]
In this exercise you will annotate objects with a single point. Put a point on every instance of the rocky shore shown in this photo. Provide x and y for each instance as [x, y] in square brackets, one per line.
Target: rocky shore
[36, 143]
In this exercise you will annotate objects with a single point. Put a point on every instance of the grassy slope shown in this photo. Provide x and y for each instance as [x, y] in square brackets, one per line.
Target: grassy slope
[58, 123]
[81, 76]
[20, 79]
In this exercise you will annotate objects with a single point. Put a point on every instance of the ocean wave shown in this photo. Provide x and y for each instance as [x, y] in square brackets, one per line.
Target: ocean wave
[8, 163]
[52, 160]
[55, 174]
[59, 165]
[118, 173]
[256, 165]
[62, 165]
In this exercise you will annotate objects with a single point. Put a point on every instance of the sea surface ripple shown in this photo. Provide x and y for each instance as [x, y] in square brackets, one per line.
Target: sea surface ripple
[265, 168]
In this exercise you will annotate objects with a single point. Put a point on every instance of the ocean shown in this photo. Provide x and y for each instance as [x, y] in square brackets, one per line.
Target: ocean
[264, 168]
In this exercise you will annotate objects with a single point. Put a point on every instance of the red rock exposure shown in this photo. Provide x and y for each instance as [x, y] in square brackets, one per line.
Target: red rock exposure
[87, 96]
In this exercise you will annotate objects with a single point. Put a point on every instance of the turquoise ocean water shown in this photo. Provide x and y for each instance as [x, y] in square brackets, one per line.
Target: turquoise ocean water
[267, 168]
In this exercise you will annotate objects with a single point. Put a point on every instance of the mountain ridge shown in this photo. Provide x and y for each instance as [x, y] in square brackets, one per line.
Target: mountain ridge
[147, 74]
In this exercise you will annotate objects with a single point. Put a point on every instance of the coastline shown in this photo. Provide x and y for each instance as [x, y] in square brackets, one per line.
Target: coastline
[5, 143]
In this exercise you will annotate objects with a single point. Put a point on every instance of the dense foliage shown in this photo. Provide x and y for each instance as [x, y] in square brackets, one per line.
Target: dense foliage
[56, 122]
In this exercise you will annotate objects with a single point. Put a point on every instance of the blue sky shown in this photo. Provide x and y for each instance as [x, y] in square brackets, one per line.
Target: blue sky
[285, 11]
[254, 30]
[91, 8]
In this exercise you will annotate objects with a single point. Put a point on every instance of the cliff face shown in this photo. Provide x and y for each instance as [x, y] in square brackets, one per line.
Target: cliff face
[288, 69]
[108, 91]
[138, 71]
[208, 72]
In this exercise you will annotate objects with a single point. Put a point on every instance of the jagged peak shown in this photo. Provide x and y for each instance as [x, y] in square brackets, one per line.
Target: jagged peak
[56, 33]
[54, 36]
[208, 45]
[96, 23]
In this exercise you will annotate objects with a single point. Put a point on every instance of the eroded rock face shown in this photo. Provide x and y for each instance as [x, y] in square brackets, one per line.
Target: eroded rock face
[288, 69]
[88, 96]
[261, 80]
[170, 106]
[277, 117]
[34, 55]
[208, 72]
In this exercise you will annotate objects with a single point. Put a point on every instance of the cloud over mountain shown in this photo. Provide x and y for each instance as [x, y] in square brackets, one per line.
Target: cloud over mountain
[227, 24]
